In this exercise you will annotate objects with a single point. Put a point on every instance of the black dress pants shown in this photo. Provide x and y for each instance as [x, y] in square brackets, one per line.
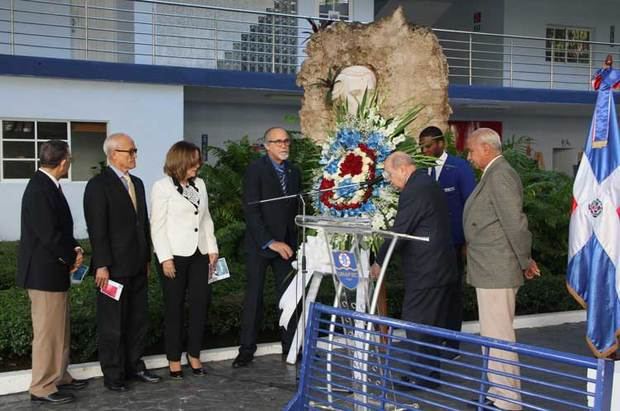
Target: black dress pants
[191, 279]
[121, 329]
[455, 308]
[430, 307]
[252, 316]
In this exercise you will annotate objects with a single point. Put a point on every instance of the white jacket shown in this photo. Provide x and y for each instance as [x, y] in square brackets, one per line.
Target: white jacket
[177, 228]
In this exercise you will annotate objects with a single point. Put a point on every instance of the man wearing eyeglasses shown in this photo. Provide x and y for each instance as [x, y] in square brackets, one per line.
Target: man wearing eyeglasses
[118, 228]
[271, 235]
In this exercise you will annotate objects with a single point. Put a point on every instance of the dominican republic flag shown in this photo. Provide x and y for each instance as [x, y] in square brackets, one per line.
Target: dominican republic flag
[593, 274]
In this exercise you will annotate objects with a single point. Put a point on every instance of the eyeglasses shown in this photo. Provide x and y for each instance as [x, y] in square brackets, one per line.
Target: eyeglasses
[280, 142]
[386, 175]
[131, 151]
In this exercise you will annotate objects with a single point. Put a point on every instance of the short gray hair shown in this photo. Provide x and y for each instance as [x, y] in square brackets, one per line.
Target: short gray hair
[111, 143]
[399, 158]
[489, 137]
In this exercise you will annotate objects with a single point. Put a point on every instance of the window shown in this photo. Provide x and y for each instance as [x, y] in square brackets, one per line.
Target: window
[335, 9]
[21, 140]
[565, 45]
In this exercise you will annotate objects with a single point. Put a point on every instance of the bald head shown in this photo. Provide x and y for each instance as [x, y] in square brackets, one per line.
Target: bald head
[398, 168]
[489, 137]
[120, 151]
[484, 145]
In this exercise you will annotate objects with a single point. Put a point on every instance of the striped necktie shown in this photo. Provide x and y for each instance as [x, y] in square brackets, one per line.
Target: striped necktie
[282, 178]
[131, 189]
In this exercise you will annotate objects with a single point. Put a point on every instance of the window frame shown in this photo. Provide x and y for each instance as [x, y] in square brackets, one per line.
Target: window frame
[563, 57]
[349, 11]
[36, 142]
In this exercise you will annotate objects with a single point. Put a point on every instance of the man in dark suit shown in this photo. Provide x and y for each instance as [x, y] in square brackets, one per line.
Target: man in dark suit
[118, 227]
[271, 235]
[456, 179]
[47, 254]
[429, 268]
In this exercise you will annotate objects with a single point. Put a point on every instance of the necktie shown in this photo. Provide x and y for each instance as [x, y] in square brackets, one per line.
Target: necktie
[131, 189]
[282, 178]
[433, 174]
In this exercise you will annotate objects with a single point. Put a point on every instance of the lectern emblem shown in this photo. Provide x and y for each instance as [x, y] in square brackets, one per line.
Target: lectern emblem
[346, 268]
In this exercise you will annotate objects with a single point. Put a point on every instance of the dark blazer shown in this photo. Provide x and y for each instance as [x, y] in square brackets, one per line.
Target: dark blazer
[423, 211]
[46, 247]
[119, 235]
[274, 220]
[457, 181]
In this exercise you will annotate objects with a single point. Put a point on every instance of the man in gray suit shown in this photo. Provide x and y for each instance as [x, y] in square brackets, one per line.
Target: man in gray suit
[498, 255]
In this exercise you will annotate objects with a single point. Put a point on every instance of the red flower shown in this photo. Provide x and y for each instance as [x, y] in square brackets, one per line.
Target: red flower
[352, 165]
[326, 195]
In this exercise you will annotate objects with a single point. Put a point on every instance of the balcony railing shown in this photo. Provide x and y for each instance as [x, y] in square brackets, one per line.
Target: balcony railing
[191, 35]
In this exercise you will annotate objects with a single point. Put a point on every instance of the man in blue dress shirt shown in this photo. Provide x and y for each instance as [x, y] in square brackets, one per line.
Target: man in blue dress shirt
[456, 179]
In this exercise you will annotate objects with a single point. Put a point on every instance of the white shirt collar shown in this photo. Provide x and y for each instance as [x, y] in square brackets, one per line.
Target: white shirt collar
[440, 161]
[118, 172]
[489, 165]
[51, 177]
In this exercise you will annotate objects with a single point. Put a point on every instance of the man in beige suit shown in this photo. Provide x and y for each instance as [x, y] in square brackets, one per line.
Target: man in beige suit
[498, 255]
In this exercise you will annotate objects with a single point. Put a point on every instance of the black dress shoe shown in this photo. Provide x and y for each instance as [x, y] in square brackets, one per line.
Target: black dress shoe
[55, 398]
[115, 386]
[176, 375]
[242, 360]
[199, 372]
[75, 384]
[406, 384]
[487, 404]
[146, 376]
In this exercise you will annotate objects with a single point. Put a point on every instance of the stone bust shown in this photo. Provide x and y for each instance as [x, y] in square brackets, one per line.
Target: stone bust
[351, 83]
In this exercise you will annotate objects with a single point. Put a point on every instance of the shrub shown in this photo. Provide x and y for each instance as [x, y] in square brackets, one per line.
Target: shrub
[545, 194]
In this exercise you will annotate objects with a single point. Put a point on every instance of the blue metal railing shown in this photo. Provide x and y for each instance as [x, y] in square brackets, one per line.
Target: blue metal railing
[348, 363]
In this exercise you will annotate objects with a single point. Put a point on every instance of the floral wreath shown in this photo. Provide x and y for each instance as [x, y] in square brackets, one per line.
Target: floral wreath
[353, 157]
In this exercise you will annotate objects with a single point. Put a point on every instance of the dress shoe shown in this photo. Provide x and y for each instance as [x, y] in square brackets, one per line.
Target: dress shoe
[75, 384]
[199, 372]
[176, 375]
[146, 376]
[115, 386]
[55, 398]
[406, 384]
[487, 404]
[242, 360]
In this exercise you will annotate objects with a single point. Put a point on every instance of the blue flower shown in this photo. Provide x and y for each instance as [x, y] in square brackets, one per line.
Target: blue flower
[348, 138]
[375, 140]
[346, 188]
[332, 167]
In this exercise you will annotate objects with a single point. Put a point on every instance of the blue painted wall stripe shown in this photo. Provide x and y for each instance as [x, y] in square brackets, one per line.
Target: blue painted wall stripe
[153, 74]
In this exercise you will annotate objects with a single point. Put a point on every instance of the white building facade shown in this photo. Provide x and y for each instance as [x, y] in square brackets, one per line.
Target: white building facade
[214, 71]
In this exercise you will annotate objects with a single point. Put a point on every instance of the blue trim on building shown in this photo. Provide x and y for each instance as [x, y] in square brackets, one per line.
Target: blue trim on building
[143, 73]
[153, 74]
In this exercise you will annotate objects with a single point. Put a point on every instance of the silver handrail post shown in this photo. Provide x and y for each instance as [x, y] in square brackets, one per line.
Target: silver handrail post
[216, 49]
[590, 68]
[86, 29]
[511, 53]
[13, 27]
[470, 59]
[153, 33]
[273, 44]
[551, 66]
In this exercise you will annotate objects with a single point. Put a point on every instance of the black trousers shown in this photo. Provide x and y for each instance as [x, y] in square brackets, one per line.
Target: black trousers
[430, 307]
[455, 308]
[121, 329]
[192, 279]
[252, 316]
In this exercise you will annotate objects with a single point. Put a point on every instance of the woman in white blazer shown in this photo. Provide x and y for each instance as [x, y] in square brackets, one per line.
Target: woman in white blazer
[184, 242]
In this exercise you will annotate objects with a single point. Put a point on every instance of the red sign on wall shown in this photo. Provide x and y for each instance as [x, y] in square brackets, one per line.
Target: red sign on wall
[462, 129]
